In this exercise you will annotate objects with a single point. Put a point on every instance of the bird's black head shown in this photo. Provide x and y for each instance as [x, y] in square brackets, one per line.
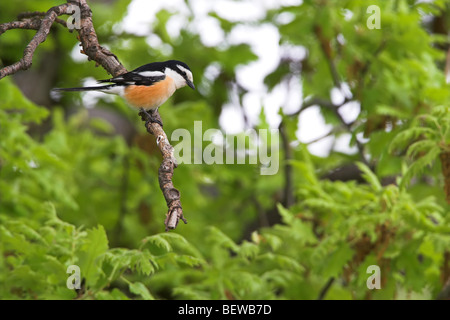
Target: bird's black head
[175, 63]
[178, 70]
[182, 69]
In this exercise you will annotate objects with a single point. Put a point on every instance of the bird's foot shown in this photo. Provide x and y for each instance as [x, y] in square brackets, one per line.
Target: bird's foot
[150, 116]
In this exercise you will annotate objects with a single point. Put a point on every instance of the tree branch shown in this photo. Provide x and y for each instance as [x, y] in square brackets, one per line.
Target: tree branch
[325, 45]
[89, 41]
[36, 14]
[27, 24]
[359, 145]
[42, 22]
[44, 28]
[289, 198]
[325, 289]
[165, 173]
[313, 102]
[335, 108]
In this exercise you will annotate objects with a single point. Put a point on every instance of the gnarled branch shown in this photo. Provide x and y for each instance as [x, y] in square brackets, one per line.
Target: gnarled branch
[89, 42]
[42, 22]
[165, 173]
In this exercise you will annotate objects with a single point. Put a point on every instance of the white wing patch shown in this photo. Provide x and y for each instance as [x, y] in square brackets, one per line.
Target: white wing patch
[150, 73]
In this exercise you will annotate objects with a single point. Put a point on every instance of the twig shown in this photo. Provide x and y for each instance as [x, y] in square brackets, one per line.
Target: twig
[359, 145]
[325, 289]
[327, 51]
[44, 28]
[318, 102]
[165, 173]
[33, 24]
[332, 132]
[329, 105]
[33, 14]
[289, 198]
[312, 102]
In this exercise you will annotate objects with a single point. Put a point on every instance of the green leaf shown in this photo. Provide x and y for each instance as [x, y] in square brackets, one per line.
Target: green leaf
[406, 136]
[334, 263]
[420, 146]
[145, 263]
[221, 239]
[91, 253]
[419, 165]
[158, 240]
[286, 215]
[114, 294]
[370, 177]
[248, 250]
[140, 289]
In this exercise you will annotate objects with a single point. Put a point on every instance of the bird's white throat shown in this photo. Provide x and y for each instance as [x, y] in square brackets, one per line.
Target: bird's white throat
[178, 79]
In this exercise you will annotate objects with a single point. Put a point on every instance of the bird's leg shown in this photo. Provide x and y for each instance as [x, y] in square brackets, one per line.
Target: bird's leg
[151, 116]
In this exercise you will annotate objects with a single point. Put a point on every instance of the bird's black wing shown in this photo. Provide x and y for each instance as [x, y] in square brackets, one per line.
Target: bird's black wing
[137, 77]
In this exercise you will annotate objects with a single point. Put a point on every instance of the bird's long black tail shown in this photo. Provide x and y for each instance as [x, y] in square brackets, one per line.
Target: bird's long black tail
[97, 88]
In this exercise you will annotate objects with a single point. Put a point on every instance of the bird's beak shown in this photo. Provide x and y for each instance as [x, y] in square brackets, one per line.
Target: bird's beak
[190, 84]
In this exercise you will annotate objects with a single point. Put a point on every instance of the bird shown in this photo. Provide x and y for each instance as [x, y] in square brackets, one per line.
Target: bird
[147, 87]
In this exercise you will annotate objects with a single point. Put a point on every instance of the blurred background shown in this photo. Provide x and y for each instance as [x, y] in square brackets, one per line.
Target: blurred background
[79, 172]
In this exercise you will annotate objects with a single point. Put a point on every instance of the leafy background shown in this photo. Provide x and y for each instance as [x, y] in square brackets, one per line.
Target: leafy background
[79, 185]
